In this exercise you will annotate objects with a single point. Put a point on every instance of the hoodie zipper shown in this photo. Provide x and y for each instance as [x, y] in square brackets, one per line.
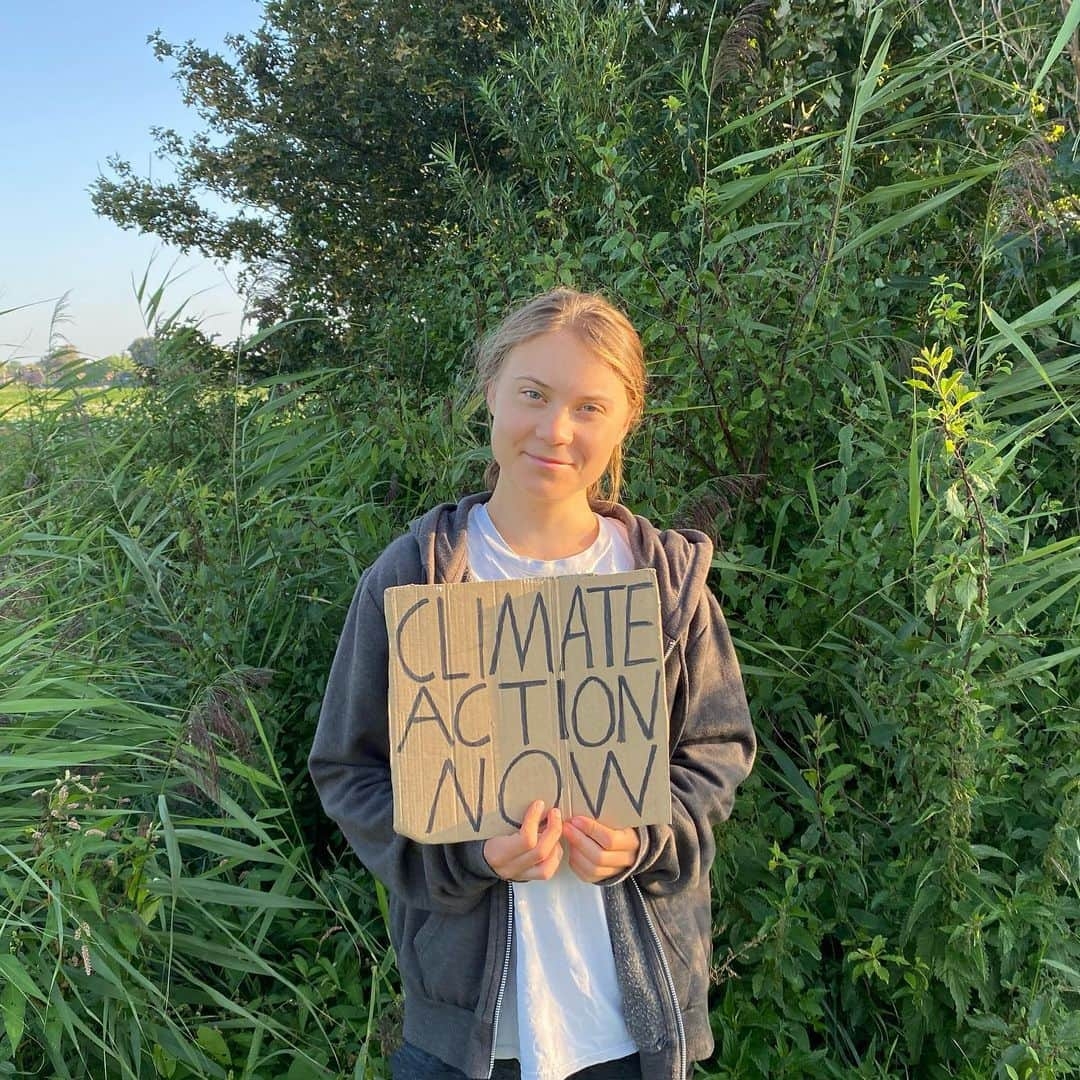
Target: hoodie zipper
[652, 931]
[505, 973]
[680, 1031]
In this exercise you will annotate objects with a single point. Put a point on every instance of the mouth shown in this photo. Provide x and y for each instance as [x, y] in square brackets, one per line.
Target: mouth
[546, 460]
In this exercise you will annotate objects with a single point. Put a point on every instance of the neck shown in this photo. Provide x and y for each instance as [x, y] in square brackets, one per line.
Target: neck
[540, 530]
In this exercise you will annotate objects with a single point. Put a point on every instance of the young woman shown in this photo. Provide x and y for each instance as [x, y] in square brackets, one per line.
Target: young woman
[566, 949]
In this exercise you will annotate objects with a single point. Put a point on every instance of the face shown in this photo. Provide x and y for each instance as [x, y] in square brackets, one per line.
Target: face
[558, 413]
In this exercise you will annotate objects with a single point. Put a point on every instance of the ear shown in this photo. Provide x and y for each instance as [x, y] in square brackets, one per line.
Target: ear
[489, 397]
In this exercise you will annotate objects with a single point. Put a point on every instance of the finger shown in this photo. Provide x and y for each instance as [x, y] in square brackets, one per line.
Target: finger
[592, 828]
[615, 860]
[545, 870]
[592, 854]
[585, 851]
[549, 838]
[581, 841]
[627, 839]
[530, 824]
[547, 842]
[530, 868]
[504, 853]
[584, 869]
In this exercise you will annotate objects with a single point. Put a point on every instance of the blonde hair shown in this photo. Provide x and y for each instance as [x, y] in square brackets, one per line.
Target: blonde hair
[603, 329]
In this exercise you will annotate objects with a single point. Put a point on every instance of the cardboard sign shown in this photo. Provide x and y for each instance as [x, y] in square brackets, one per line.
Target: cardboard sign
[502, 692]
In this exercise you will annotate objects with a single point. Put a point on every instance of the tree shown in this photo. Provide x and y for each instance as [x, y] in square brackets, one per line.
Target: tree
[143, 352]
[319, 133]
[61, 361]
[110, 370]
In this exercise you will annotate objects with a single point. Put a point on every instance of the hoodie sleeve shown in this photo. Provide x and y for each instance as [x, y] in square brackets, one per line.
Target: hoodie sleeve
[350, 757]
[714, 754]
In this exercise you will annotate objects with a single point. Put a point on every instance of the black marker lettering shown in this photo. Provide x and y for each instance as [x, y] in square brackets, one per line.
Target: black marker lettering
[625, 695]
[475, 817]
[609, 643]
[506, 777]
[457, 718]
[577, 601]
[416, 717]
[610, 709]
[632, 624]
[523, 688]
[507, 613]
[560, 699]
[611, 762]
[397, 639]
[440, 607]
[480, 636]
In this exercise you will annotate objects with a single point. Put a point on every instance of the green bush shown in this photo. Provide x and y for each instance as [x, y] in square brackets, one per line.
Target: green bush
[847, 241]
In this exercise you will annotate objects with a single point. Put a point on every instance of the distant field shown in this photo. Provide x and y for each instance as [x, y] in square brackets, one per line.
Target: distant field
[20, 401]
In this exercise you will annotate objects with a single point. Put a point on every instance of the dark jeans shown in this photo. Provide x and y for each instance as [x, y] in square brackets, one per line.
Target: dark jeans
[412, 1063]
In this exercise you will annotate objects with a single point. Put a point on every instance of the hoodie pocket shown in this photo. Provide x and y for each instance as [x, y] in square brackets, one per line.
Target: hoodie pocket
[425, 934]
[672, 949]
[681, 941]
[450, 953]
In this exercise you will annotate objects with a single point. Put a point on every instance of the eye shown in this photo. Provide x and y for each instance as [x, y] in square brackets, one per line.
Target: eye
[531, 394]
[593, 408]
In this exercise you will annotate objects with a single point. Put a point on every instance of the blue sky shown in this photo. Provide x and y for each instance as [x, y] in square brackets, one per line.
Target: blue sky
[78, 83]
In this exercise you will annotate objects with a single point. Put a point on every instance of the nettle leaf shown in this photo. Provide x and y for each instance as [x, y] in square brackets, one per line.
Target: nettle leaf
[953, 503]
[966, 591]
[931, 598]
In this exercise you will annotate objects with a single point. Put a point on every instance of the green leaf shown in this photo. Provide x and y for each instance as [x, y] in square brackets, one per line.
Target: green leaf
[900, 221]
[1025, 350]
[13, 1006]
[966, 591]
[931, 598]
[172, 847]
[15, 974]
[841, 772]
[914, 486]
[1065, 32]
[212, 1041]
[220, 892]
[1071, 972]
[1039, 665]
[811, 490]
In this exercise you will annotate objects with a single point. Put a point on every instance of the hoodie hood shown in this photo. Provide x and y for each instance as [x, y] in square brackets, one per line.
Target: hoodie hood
[680, 557]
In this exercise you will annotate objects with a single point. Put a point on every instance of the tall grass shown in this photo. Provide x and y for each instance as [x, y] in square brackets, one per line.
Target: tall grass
[158, 905]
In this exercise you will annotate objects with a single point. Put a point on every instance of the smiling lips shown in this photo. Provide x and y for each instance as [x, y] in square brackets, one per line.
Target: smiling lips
[548, 461]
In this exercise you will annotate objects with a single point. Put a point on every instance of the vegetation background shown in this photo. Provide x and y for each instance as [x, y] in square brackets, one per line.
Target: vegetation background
[848, 234]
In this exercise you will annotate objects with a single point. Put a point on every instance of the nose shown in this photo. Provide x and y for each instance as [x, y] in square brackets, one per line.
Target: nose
[555, 427]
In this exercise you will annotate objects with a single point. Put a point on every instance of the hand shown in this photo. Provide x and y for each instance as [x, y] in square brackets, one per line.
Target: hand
[598, 852]
[530, 854]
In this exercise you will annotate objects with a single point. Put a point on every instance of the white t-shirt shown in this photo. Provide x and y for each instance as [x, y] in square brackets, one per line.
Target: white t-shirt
[562, 1009]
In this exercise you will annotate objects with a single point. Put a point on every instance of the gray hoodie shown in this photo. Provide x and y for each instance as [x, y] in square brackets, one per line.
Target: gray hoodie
[451, 917]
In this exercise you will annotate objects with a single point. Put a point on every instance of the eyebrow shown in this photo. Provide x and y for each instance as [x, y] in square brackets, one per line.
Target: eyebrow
[603, 398]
